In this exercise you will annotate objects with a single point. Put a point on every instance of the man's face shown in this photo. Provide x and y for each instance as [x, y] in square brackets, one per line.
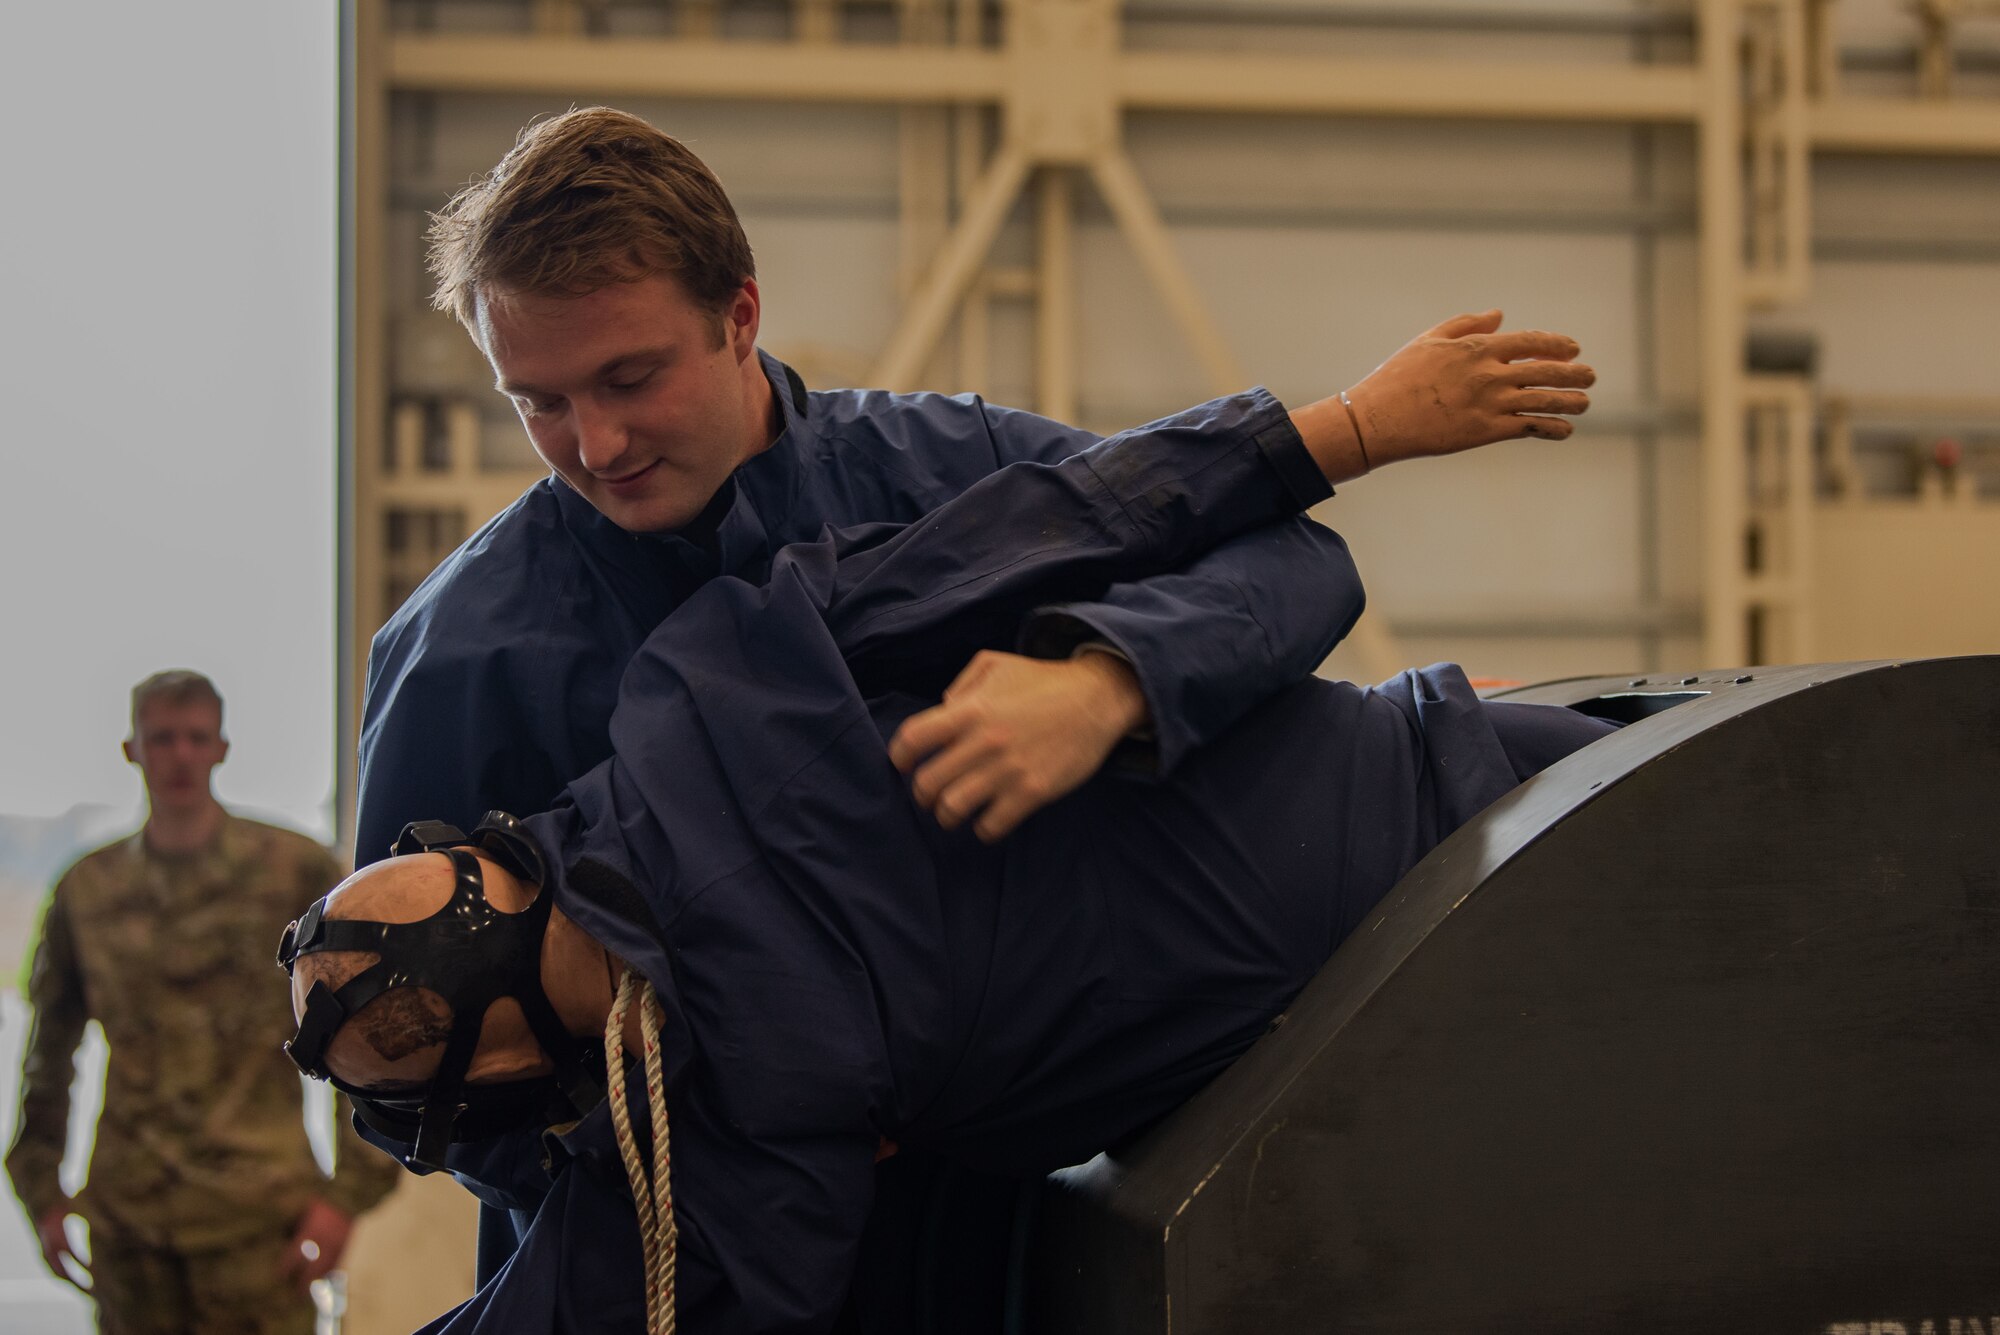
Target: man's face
[176, 747]
[630, 393]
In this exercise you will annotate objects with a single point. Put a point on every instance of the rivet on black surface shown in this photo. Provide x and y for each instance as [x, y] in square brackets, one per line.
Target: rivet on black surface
[1638, 681]
[1741, 680]
[1689, 681]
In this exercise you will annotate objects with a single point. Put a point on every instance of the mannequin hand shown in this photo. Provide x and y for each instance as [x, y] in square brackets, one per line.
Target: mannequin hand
[1015, 734]
[54, 1239]
[317, 1244]
[1454, 387]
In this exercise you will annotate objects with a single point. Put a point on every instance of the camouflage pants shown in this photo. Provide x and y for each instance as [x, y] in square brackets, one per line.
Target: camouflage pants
[143, 1290]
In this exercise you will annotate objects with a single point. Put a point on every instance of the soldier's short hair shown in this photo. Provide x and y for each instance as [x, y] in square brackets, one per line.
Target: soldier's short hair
[175, 686]
[583, 200]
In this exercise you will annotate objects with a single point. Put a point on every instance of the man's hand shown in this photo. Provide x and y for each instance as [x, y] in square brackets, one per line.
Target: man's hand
[49, 1231]
[1454, 387]
[317, 1244]
[1015, 734]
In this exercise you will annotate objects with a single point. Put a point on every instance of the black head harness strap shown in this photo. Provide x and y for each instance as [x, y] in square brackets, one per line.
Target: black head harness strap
[469, 953]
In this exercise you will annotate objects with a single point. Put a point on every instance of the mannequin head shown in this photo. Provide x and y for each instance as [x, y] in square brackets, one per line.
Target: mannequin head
[394, 1043]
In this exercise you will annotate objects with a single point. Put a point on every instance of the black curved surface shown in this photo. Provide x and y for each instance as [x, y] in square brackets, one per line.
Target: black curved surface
[1697, 1030]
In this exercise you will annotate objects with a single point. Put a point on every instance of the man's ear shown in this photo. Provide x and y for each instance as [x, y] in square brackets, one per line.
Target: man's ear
[223, 754]
[126, 747]
[740, 319]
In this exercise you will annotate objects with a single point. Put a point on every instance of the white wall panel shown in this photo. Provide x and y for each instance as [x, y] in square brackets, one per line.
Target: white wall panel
[1904, 326]
[1534, 530]
[1678, 514]
[1309, 311]
[824, 282]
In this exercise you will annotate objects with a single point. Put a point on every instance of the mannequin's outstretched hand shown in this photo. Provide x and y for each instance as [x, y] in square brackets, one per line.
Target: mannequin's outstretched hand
[1456, 386]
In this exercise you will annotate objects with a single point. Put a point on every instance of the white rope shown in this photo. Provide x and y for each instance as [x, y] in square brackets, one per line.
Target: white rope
[651, 1175]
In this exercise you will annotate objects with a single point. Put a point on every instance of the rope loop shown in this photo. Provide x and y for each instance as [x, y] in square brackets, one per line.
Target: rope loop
[650, 1173]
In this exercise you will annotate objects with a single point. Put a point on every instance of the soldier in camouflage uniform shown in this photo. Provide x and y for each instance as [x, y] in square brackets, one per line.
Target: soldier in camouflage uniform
[208, 1214]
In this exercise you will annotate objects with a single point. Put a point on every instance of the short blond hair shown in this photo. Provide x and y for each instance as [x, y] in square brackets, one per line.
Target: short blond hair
[176, 686]
[583, 200]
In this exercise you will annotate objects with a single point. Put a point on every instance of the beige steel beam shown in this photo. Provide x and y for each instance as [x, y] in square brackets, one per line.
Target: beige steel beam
[816, 21]
[368, 386]
[1455, 89]
[1055, 296]
[1906, 125]
[1823, 49]
[1719, 172]
[1784, 495]
[668, 67]
[1914, 408]
[853, 72]
[700, 20]
[1780, 153]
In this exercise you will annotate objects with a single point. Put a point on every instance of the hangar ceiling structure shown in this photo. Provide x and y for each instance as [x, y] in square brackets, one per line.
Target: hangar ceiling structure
[1030, 100]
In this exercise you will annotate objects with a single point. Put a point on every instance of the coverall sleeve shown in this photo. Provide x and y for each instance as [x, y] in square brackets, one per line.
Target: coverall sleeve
[1213, 639]
[1208, 642]
[55, 991]
[1187, 503]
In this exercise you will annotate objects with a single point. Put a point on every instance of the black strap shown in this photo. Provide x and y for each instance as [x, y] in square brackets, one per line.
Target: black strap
[322, 1019]
[425, 836]
[442, 1101]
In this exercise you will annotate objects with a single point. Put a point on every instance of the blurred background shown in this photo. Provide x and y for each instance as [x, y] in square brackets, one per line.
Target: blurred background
[239, 436]
[169, 270]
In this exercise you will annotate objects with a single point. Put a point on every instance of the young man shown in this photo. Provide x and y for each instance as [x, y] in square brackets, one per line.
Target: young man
[602, 271]
[207, 1210]
[833, 977]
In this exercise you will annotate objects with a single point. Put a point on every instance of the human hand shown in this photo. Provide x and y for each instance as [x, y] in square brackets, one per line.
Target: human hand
[1014, 734]
[317, 1244]
[1456, 386]
[54, 1238]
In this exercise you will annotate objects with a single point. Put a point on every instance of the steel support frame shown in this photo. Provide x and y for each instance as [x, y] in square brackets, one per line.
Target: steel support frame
[364, 399]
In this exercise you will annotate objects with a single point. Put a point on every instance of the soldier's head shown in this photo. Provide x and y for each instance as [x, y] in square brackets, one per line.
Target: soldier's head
[448, 995]
[602, 270]
[177, 739]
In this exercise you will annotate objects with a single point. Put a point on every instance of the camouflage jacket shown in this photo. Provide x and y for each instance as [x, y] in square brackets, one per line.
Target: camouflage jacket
[202, 1140]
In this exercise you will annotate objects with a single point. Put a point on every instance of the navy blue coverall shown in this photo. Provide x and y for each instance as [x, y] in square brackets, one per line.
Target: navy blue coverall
[835, 969]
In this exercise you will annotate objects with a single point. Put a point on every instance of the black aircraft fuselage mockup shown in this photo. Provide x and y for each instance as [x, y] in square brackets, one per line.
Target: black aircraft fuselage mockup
[1698, 1030]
